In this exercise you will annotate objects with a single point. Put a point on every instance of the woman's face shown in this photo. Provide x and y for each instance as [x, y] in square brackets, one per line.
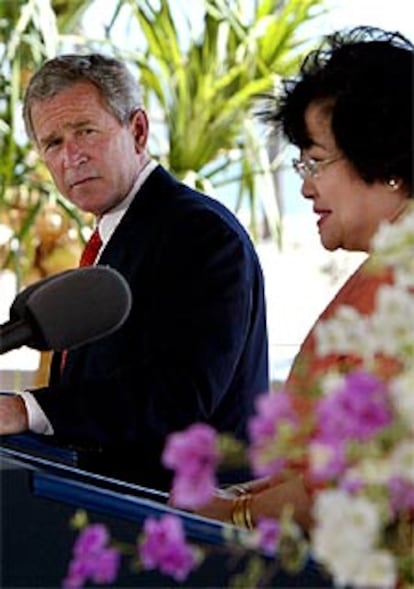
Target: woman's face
[349, 210]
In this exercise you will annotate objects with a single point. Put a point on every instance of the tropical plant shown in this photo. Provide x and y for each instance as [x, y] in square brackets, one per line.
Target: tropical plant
[37, 237]
[202, 87]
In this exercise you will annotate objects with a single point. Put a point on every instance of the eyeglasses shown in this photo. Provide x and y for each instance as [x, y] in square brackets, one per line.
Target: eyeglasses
[310, 168]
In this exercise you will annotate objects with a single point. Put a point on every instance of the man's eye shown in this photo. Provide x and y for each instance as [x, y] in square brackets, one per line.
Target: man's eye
[51, 144]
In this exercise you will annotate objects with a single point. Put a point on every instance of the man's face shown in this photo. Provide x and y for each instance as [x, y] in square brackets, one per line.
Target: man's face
[93, 159]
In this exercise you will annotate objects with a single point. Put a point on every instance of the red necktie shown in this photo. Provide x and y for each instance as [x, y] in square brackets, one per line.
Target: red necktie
[90, 251]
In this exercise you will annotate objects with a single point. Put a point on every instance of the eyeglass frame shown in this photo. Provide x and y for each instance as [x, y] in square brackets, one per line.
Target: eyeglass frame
[308, 167]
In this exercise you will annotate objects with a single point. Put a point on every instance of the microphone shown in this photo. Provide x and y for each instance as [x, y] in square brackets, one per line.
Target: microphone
[18, 307]
[67, 310]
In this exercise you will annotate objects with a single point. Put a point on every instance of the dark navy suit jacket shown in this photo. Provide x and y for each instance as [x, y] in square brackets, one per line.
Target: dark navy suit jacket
[194, 347]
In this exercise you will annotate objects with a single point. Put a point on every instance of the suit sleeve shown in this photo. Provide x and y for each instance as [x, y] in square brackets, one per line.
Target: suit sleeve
[202, 312]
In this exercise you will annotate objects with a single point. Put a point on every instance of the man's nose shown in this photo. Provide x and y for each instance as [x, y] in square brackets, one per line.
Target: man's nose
[73, 155]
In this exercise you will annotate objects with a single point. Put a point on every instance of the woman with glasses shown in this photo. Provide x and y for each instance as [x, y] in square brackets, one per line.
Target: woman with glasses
[350, 113]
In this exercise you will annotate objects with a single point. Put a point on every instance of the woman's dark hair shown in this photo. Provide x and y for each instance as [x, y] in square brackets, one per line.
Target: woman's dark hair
[365, 76]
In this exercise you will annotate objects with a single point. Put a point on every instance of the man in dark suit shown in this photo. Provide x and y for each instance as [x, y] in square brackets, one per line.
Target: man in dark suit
[194, 347]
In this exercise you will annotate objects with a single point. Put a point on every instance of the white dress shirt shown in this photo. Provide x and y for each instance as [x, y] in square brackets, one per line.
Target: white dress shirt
[37, 419]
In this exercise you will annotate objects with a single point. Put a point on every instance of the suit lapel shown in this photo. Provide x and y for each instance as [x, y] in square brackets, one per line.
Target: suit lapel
[142, 223]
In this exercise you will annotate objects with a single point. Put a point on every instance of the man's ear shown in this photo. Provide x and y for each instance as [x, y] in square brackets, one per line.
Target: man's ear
[140, 128]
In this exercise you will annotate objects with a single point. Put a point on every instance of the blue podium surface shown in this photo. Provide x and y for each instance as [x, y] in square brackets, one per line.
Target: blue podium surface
[40, 491]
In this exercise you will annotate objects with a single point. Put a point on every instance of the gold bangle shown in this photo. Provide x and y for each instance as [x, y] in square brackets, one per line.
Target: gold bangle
[237, 518]
[248, 518]
[241, 514]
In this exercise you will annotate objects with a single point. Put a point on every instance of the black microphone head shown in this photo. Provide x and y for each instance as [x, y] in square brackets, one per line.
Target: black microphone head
[18, 307]
[76, 307]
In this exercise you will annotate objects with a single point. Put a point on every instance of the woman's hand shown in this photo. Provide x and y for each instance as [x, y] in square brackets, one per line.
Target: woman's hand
[269, 496]
[271, 501]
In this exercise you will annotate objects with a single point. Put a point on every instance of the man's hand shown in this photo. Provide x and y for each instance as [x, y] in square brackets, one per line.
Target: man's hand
[13, 415]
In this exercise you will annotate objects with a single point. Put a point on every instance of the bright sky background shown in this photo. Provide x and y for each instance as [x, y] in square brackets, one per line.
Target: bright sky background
[389, 14]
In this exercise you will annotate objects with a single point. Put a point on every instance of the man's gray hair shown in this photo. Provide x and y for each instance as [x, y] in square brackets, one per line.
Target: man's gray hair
[111, 77]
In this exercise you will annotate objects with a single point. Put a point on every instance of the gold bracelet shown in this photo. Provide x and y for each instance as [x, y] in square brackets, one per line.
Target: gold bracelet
[247, 511]
[241, 514]
[237, 518]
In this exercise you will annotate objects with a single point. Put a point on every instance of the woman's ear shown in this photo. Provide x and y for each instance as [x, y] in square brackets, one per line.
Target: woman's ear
[140, 128]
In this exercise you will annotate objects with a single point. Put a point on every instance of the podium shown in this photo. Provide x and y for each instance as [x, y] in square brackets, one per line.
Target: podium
[40, 490]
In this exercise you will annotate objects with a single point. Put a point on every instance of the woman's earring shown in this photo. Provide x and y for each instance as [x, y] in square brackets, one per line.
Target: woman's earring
[393, 184]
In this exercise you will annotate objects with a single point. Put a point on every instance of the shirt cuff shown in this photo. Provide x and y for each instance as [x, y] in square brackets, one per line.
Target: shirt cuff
[38, 422]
